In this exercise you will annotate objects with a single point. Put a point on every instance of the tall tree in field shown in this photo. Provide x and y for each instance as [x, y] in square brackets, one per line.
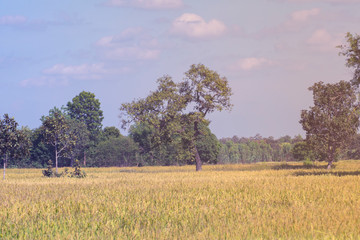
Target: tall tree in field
[86, 108]
[204, 91]
[352, 53]
[13, 142]
[58, 133]
[181, 108]
[332, 121]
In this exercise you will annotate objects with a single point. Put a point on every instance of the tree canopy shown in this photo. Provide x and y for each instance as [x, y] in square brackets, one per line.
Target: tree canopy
[86, 108]
[13, 142]
[58, 133]
[352, 53]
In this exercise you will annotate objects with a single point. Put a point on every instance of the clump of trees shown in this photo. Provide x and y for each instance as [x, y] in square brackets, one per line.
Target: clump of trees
[14, 142]
[176, 112]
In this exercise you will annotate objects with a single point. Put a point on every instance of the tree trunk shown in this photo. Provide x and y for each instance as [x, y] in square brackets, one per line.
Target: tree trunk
[5, 162]
[4, 170]
[330, 164]
[331, 157]
[56, 159]
[84, 159]
[197, 160]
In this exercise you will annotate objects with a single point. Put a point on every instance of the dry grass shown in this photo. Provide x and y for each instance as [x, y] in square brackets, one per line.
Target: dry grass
[222, 202]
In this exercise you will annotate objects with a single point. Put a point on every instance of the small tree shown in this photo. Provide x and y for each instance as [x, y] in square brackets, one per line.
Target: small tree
[332, 121]
[13, 142]
[57, 132]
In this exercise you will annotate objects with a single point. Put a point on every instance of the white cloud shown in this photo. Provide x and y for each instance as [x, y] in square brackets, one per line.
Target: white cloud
[84, 71]
[147, 4]
[322, 40]
[12, 20]
[132, 52]
[304, 15]
[251, 63]
[193, 26]
[129, 34]
[296, 21]
[44, 82]
[132, 43]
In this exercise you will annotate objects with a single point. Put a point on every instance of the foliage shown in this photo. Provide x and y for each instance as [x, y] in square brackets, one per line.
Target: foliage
[81, 136]
[57, 132]
[49, 171]
[256, 149]
[352, 53]
[86, 108]
[121, 151]
[301, 151]
[77, 173]
[13, 142]
[111, 132]
[179, 109]
[40, 152]
[332, 121]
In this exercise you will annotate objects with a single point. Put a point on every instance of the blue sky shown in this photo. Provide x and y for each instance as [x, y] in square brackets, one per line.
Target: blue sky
[271, 51]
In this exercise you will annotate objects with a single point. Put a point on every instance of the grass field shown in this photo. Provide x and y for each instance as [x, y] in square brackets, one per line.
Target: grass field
[259, 201]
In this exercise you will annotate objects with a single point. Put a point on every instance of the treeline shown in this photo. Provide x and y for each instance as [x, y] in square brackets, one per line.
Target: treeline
[75, 132]
[260, 149]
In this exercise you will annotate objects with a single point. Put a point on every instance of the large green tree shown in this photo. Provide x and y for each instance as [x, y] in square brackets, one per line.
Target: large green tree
[180, 108]
[352, 53]
[332, 121]
[13, 142]
[86, 108]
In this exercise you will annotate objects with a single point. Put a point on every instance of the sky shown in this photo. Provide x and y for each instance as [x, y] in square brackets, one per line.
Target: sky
[271, 52]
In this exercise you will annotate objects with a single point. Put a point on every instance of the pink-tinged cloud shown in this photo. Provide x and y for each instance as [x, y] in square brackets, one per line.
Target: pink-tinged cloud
[132, 43]
[126, 53]
[193, 26]
[304, 15]
[323, 41]
[12, 20]
[251, 63]
[130, 34]
[147, 4]
[83, 71]
[296, 21]
[44, 82]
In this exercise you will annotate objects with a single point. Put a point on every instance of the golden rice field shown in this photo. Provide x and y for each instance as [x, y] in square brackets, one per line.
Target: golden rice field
[256, 201]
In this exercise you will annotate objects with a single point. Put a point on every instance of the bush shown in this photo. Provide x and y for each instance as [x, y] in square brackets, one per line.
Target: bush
[77, 173]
